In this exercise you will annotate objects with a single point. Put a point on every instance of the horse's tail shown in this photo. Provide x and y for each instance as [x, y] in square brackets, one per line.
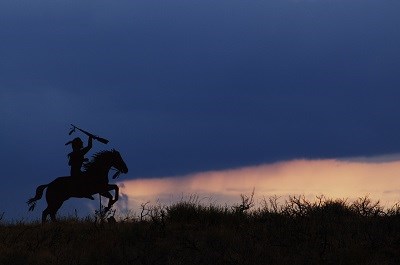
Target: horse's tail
[39, 193]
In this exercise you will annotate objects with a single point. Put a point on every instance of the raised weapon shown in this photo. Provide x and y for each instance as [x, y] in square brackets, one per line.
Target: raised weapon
[95, 137]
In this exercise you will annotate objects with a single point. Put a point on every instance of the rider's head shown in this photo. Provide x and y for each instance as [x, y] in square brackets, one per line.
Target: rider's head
[77, 144]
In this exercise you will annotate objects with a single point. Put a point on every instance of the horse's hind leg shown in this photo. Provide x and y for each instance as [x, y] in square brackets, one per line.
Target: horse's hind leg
[53, 211]
[53, 217]
[44, 215]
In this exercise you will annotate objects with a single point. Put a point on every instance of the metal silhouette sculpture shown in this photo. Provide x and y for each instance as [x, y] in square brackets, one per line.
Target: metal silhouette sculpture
[94, 180]
[82, 184]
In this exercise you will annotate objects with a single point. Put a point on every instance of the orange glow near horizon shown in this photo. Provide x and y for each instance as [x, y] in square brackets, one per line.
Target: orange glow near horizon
[331, 178]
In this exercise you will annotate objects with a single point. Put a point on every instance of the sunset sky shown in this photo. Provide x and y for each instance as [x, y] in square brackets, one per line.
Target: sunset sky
[208, 97]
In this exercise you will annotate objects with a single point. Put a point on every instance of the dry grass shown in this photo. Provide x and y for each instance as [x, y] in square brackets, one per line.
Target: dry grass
[297, 232]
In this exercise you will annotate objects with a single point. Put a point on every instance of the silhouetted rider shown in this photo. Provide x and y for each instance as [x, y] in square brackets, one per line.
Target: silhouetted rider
[77, 157]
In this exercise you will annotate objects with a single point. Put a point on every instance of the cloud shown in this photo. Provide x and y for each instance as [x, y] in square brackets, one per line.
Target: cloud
[330, 177]
[375, 159]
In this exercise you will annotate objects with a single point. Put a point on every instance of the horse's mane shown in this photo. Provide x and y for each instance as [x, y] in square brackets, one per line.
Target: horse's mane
[97, 159]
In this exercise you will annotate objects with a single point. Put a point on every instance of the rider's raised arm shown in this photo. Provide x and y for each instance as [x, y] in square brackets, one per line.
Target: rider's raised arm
[89, 146]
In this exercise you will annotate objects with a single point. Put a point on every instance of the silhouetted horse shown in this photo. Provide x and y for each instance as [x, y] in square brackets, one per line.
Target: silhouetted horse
[94, 180]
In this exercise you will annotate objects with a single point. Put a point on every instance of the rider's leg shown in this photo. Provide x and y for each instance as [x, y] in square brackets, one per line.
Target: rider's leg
[77, 175]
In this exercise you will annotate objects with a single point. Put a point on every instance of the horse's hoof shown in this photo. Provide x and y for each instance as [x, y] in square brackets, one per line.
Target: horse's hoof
[111, 220]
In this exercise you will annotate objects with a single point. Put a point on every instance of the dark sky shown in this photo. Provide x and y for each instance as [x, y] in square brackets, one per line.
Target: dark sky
[187, 86]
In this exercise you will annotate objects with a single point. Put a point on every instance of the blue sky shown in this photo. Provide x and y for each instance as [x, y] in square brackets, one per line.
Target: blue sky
[189, 86]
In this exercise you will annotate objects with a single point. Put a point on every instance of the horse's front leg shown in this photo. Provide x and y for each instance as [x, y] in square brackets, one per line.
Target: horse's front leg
[116, 191]
[108, 195]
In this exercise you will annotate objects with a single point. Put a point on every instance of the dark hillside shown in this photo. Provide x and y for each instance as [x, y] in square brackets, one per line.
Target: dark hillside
[297, 232]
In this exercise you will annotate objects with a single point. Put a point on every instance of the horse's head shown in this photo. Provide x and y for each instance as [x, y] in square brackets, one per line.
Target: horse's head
[103, 161]
[118, 163]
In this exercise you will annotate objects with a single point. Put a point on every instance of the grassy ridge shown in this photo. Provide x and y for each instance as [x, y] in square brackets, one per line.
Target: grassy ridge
[297, 232]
